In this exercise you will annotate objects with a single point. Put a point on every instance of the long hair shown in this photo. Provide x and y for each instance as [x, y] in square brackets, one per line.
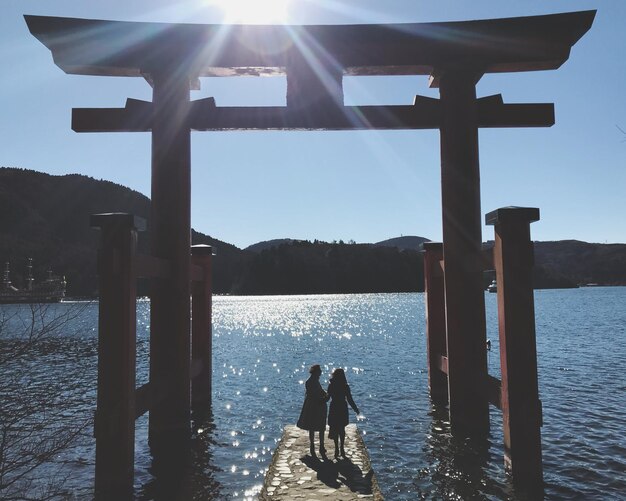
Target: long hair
[339, 377]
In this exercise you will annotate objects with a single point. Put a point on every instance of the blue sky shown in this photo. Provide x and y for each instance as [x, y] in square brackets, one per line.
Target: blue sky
[366, 186]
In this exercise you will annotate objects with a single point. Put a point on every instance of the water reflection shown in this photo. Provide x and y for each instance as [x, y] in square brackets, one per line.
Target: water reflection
[457, 468]
[203, 482]
[263, 347]
[193, 479]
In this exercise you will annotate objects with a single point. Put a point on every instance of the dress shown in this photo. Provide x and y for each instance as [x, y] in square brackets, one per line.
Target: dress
[313, 414]
[338, 415]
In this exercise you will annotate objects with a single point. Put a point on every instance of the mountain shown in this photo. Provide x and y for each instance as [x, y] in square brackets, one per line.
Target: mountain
[268, 244]
[302, 267]
[583, 262]
[408, 242]
[47, 218]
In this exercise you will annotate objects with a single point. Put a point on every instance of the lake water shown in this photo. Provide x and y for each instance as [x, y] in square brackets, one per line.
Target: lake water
[263, 347]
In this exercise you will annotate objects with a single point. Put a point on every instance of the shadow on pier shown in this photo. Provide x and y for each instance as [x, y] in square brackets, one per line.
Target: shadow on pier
[295, 474]
[340, 473]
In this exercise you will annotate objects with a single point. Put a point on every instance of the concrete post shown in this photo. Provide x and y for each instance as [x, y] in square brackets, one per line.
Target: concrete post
[521, 407]
[115, 414]
[435, 321]
[201, 337]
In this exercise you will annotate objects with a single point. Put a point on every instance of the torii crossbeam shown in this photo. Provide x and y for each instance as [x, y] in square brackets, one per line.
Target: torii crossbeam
[314, 59]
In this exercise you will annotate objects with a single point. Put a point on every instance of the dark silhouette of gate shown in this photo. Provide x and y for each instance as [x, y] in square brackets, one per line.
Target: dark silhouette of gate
[314, 58]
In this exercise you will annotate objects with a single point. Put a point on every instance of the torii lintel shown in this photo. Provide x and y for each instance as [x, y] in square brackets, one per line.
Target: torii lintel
[204, 115]
[314, 58]
[115, 48]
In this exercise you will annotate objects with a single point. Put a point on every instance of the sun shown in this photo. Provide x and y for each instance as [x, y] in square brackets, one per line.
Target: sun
[253, 11]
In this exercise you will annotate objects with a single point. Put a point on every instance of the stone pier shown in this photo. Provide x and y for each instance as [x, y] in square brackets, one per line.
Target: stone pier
[295, 474]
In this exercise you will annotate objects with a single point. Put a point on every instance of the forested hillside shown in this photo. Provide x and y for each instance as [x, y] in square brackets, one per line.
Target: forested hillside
[47, 218]
[582, 262]
[300, 267]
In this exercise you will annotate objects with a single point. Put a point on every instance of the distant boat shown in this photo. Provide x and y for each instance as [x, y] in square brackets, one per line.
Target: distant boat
[51, 290]
[492, 287]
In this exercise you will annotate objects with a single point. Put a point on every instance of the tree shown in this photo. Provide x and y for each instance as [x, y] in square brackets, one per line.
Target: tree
[32, 426]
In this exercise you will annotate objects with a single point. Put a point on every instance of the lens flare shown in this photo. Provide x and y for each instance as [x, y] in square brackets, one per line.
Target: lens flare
[252, 11]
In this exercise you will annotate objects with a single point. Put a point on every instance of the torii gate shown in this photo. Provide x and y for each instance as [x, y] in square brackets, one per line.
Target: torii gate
[314, 58]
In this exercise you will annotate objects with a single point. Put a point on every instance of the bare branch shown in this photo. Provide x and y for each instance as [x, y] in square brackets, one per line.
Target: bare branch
[34, 428]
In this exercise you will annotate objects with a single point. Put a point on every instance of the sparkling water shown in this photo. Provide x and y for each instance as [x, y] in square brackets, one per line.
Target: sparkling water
[263, 347]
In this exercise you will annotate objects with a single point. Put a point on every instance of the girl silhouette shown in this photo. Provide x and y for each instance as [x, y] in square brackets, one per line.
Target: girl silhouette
[313, 414]
[339, 391]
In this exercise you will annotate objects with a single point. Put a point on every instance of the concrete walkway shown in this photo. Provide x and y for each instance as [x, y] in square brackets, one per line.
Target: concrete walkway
[295, 474]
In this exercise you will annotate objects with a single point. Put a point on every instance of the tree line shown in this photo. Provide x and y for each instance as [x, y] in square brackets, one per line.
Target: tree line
[46, 218]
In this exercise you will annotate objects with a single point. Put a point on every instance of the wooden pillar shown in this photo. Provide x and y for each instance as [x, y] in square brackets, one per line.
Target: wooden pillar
[435, 322]
[115, 414]
[314, 82]
[169, 428]
[201, 337]
[521, 408]
[465, 302]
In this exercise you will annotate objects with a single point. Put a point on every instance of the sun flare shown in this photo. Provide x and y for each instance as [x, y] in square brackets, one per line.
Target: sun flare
[253, 11]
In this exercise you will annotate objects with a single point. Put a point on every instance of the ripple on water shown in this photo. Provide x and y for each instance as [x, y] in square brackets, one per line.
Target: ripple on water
[263, 347]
